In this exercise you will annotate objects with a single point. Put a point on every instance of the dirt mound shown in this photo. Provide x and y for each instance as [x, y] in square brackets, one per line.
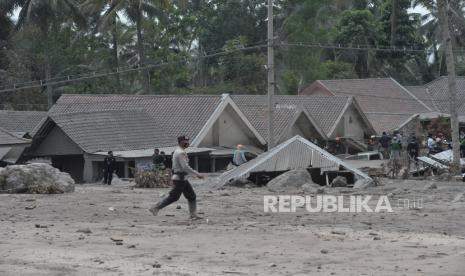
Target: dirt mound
[36, 178]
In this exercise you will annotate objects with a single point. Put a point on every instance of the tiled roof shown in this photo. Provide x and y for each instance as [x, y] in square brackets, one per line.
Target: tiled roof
[386, 122]
[20, 121]
[377, 95]
[8, 138]
[423, 94]
[439, 91]
[172, 116]
[112, 130]
[324, 109]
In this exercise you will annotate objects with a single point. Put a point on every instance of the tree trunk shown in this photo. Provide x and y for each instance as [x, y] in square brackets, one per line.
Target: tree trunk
[450, 62]
[394, 21]
[140, 48]
[115, 54]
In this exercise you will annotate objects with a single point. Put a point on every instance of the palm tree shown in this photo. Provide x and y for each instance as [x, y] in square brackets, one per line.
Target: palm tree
[46, 16]
[136, 11]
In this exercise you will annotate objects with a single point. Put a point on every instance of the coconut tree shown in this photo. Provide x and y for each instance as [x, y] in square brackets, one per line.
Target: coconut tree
[136, 11]
[46, 16]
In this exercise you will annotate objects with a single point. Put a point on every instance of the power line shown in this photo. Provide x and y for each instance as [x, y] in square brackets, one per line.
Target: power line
[118, 70]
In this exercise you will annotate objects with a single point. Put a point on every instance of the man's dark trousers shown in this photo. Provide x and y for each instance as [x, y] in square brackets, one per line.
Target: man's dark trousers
[108, 176]
[180, 187]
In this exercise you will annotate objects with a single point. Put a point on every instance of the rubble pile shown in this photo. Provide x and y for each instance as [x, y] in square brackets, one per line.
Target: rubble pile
[36, 178]
[152, 178]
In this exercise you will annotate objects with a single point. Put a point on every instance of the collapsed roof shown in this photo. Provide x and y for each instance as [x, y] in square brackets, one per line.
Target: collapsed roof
[295, 153]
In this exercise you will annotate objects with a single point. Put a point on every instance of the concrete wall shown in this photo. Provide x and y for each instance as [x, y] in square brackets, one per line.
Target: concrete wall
[228, 131]
[57, 143]
[353, 124]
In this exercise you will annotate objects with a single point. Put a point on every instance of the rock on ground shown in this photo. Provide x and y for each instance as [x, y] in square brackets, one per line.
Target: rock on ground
[291, 179]
[339, 181]
[37, 178]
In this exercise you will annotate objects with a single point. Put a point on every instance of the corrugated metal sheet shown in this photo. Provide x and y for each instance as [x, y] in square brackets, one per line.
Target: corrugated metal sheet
[432, 162]
[295, 153]
[446, 156]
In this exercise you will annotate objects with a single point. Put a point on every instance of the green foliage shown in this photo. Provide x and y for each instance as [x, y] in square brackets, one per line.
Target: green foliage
[59, 38]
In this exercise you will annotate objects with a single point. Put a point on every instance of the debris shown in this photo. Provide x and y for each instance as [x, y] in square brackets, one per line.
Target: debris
[119, 243]
[338, 233]
[324, 251]
[377, 238]
[111, 208]
[339, 181]
[364, 183]
[30, 207]
[155, 178]
[116, 239]
[131, 246]
[35, 178]
[431, 186]
[178, 207]
[81, 237]
[273, 265]
[41, 226]
[84, 230]
[156, 265]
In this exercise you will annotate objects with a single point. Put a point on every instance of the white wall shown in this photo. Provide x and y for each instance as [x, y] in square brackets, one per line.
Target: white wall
[228, 131]
[353, 124]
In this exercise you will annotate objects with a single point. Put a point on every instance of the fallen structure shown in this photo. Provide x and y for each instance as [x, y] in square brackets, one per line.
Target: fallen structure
[11, 147]
[295, 153]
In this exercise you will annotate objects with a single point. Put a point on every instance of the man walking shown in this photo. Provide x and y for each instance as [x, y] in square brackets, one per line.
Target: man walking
[109, 167]
[181, 168]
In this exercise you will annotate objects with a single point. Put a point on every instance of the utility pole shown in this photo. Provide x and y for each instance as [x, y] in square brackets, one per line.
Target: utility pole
[443, 9]
[271, 82]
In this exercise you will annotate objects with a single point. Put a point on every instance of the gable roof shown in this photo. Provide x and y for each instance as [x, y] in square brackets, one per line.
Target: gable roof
[112, 130]
[324, 110]
[279, 159]
[9, 139]
[439, 92]
[21, 121]
[374, 94]
[387, 121]
[176, 115]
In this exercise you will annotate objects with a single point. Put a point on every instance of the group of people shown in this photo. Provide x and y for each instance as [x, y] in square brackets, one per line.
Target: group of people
[391, 147]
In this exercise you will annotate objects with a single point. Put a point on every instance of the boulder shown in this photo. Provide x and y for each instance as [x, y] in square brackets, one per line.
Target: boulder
[291, 179]
[38, 178]
[339, 181]
[364, 183]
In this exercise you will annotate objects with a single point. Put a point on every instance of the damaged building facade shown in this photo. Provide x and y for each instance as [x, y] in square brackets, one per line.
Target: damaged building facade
[80, 129]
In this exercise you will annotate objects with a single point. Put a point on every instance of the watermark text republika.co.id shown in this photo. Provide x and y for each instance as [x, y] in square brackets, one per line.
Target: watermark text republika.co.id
[333, 203]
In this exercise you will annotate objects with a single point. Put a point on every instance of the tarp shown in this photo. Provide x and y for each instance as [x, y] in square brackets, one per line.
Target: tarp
[295, 153]
[432, 162]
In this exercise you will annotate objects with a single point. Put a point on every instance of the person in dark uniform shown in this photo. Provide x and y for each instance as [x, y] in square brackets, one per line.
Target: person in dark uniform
[413, 147]
[109, 164]
[181, 168]
[158, 159]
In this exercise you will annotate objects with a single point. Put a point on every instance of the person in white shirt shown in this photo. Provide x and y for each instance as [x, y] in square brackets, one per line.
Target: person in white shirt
[180, 169]
[430, 143]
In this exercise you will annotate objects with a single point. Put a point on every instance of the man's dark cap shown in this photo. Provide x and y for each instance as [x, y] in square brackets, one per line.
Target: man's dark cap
[110, 152]
[183, 138]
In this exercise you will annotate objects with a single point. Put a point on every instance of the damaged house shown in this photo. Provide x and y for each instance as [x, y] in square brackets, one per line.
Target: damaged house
[387, 104]
[80, 129]
[11, 147]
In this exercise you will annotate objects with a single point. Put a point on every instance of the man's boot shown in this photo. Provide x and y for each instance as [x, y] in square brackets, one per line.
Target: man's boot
[155, 209]
[193, 210]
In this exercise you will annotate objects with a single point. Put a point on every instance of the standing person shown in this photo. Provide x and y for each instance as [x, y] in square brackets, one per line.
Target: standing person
[384, 144]
[181, 186]
[431, 144]
[239, 156]
[166, 162]
[158, 159]
[109, 167]
[413, 147]
[396, 148]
